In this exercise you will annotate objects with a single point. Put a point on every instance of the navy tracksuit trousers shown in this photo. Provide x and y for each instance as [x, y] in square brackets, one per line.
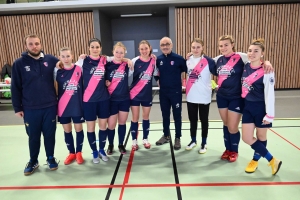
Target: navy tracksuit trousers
[39, 121]
[168, 99]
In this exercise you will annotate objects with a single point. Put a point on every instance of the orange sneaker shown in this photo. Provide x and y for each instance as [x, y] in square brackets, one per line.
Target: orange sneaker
[225, 155]
[233, 156]
[71, 157]
[79, 158]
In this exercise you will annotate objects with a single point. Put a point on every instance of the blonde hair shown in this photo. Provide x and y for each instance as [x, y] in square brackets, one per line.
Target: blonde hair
[31, 36]
[259, 42]
[147, 43]
[230, 38]
[65, 49]
[198, 40]
[119, 44]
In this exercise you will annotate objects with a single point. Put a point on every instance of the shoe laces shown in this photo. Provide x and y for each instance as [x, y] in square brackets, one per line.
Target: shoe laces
[30, 164]
[252, 163]
[52, 160]
[233, 154]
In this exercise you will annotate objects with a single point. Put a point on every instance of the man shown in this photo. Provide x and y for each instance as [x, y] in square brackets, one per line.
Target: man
[34, 99]
[170, 67]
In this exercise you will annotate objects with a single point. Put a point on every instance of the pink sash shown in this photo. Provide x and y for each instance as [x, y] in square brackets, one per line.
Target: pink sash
[115, 81]
[95, 79]
[228, 67]
[67, 95]
[203, 63]
[142, 82]
[249, 80]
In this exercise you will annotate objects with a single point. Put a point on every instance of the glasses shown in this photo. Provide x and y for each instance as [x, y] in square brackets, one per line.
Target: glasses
[165, 45]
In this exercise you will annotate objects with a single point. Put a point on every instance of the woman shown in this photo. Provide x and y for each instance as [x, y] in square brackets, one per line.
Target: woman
[95, 97]
[258, 92]
[141, 92]
[69, 83]
[117, 83]
[198, 92]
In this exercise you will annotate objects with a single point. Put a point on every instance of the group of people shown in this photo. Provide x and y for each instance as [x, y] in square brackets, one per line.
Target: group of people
[96, 87]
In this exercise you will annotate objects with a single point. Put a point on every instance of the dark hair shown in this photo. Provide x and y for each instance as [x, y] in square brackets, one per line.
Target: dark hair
[31, 36]
[147, 43]
[198, 40]
[95, 40]
[259, 42]
[230, 38]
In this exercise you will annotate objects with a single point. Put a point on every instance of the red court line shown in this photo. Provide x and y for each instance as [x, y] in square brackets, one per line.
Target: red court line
[150, 185]
[284, 139]
[128, 169]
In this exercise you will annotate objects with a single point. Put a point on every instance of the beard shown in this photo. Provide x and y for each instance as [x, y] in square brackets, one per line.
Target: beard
[34, 54]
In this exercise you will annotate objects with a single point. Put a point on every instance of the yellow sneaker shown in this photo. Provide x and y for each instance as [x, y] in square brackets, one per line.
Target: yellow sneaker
[252, 166]
[275, 165]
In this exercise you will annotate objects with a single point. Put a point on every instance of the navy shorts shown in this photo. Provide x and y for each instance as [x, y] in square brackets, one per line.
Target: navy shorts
[235, 105]
[116, 106]
[67, 120]
[254, 112]
[92, 110]
[143, 103]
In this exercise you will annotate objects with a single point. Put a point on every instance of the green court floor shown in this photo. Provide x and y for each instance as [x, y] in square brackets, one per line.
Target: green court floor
[157, 173]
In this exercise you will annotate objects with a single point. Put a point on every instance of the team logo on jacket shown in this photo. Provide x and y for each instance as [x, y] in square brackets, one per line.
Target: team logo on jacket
[172, 62]
[27, 68]
[161, 63]
[46, 64]
[272, 81]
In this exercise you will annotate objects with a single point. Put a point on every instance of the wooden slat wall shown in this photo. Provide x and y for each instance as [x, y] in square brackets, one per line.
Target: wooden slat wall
[278, 24]
[56, 30]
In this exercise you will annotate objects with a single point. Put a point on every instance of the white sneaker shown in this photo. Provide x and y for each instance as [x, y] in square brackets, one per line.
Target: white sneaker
[203, 149]
[96, 158]
[135, 146]
[103, 156]
[146, 143]
[190, 146]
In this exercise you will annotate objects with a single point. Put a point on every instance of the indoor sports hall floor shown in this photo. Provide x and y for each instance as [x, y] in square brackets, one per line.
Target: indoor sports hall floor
[158, 173]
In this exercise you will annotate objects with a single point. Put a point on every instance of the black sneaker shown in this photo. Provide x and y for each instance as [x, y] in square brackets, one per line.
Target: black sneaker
[122, 149]
[53, 165]
[31, 167]
[110, 149]
[163, 140]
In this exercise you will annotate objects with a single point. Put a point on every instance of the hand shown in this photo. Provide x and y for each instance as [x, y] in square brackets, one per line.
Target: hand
[59, 65]
[268, 67]
[107, 83]
[130, 64]
[265, 122]
[82, 56]
[153, 56]
[188, 55]
[158, 83]
[20, 114]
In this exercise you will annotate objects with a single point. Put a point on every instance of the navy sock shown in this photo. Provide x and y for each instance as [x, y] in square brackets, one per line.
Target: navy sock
[194, 139]
[79, 141]
[92, 140]
[133, 130]
[121, 133]
[268, 156]
[102, 139]
[111, 136]
[256, 155]
[260, 148]
[235, 140]
[203, 141]
[226, 138]
[69, 142]
[146, 127]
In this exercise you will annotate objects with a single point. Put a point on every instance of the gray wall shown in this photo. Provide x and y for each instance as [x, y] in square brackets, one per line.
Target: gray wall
[105, 34]
[137, 29]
